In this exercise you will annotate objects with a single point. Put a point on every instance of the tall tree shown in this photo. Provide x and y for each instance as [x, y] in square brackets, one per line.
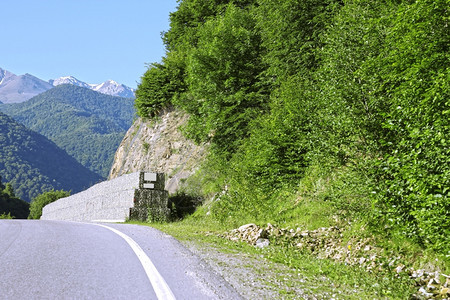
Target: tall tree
[223, 78]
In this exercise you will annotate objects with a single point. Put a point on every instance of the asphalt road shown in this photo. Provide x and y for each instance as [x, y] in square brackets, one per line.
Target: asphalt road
[70, 260]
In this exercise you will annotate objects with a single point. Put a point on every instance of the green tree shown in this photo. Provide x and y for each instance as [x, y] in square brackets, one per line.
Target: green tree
[222, 77]
[290, 32]
[10, 190]
[349, 117]
[278, 149]
[156, 90]
[276, 153]
[189, 15]
[38, 203]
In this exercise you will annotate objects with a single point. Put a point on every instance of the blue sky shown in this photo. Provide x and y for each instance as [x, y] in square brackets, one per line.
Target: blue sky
[93, 40]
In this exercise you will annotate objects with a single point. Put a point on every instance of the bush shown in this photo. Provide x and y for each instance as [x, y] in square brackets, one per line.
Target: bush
[42, 200]
[6, 216]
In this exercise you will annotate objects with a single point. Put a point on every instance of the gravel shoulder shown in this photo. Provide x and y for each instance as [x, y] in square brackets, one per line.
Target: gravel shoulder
[255, 277]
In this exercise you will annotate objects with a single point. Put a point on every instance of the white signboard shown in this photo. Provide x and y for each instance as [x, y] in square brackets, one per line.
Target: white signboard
[148, 178]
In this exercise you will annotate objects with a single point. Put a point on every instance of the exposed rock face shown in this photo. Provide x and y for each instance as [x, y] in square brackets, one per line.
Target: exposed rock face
[159, 146]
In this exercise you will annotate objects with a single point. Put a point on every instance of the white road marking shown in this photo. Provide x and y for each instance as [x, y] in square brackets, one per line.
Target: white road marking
[108, 221]
[162, 290]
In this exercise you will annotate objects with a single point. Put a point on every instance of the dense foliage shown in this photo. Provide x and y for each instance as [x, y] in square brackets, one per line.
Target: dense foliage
[32, 164]
[38, 203]
[340, 103]
[11, 206]
[88, 125]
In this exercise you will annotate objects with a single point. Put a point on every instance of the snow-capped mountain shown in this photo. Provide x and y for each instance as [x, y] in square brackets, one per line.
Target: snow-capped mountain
[69, 80]
[16, 89]
[113, 88]
[109, 87]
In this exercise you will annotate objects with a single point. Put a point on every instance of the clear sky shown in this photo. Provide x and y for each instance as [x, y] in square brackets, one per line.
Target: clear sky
[92, 40]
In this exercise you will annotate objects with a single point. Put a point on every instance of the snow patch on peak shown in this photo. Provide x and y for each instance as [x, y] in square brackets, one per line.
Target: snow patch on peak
[109, 87]
[68, 80]
[108, 83]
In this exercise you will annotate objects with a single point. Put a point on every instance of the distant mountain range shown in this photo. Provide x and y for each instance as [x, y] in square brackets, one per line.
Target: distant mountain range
[109, 87]
[33, 164]
[17, 89]
[88, 125]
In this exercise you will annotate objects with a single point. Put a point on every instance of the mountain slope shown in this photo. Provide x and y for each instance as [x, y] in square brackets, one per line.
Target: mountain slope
[16, 89]
[33, 164]
[87, 124]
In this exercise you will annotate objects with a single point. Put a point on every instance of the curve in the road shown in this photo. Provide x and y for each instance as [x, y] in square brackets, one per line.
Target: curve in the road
[159, 285]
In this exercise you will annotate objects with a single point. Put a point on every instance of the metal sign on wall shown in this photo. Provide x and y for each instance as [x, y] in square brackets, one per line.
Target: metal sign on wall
[152, 181]
[149, 180]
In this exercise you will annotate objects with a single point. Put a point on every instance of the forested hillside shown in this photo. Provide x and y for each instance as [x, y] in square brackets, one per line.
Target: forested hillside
[32, 164]
[317, 111]
[88, 125]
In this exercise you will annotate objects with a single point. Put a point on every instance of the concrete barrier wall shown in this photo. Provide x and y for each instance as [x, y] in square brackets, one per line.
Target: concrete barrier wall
[109, 200]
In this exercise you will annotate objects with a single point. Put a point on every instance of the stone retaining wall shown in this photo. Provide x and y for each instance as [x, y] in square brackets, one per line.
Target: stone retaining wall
[107, 201]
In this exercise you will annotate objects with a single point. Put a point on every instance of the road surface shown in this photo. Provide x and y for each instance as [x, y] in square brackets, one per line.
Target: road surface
[71, 260]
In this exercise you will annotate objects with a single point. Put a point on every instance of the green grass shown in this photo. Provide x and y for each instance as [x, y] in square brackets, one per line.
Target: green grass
[319, 277]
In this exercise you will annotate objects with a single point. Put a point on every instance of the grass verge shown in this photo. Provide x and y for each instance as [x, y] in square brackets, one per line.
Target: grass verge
[281, 271]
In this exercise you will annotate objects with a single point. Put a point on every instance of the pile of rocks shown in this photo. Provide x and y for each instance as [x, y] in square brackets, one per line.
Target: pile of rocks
[249, 233]
[328, 243]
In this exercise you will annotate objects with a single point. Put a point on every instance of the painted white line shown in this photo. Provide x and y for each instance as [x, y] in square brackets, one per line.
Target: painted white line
[159, 285]
[109, 221]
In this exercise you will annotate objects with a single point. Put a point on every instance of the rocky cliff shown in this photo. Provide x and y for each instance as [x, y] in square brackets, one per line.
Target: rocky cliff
[159, 146]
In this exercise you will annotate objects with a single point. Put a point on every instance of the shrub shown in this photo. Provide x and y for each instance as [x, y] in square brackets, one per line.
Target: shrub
[42, 200]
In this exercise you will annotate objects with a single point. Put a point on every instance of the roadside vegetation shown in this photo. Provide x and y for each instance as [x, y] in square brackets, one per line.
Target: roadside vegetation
[280, 271]
[318, 114]
[10, 205]
[38, 203]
